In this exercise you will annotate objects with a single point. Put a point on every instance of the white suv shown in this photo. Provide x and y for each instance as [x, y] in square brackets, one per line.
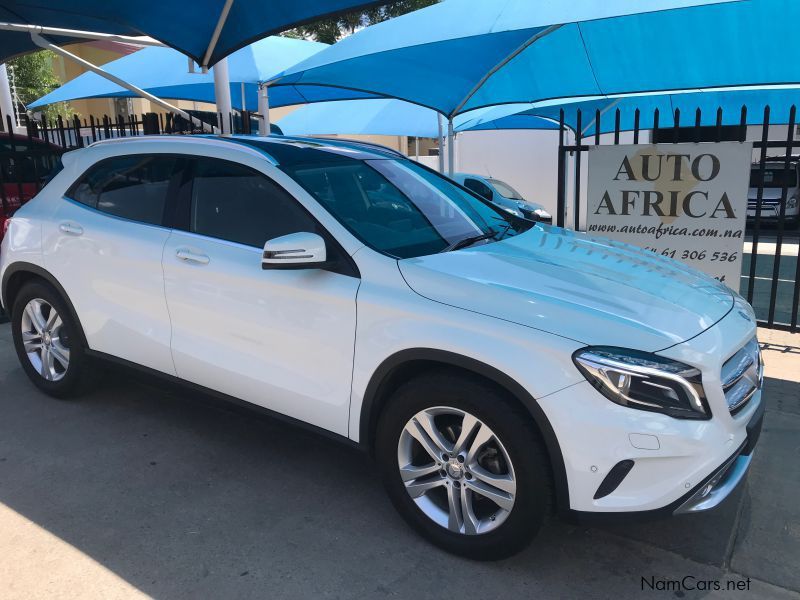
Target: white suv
[495, 367]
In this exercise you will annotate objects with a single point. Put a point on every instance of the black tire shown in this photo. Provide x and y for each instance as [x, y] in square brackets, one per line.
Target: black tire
[77, 377]
[511, 425]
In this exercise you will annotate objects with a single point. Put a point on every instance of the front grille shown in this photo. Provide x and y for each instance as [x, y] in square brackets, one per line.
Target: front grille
[742, 376]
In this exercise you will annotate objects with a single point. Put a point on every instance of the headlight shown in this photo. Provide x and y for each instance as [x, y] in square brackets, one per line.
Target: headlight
[645, 381]
[539, 212]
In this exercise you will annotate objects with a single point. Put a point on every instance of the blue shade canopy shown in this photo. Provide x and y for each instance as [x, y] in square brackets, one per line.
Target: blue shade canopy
[396, 117]
[164, 72]
[729, 101]
[464, 54]
[388, 117]
[361, 117]
[185, 26]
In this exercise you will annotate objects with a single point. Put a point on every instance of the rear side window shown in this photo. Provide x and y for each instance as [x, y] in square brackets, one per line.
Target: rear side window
[132, 187]
[233, 203]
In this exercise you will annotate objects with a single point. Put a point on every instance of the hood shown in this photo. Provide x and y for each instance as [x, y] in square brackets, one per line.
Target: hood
[592, 290]
[533, 205]
[516, 202]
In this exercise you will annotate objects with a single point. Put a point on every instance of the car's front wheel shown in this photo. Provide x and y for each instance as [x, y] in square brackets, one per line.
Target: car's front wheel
[46, 340]
[464, 465]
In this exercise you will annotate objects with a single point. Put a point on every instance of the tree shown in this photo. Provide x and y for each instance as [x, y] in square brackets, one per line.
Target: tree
[329, 31]
[34, 77]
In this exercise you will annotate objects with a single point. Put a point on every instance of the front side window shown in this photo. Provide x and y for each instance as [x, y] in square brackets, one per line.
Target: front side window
[478, 187]
[133, 187]
[505, 190]
[237, 204]
[400, 208]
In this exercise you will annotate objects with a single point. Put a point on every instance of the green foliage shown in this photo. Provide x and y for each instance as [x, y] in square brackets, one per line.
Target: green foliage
[34, 77]
[330, 31]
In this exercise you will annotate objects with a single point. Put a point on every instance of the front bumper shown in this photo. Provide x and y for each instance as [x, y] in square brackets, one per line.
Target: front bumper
[623, 461]
[726, 479]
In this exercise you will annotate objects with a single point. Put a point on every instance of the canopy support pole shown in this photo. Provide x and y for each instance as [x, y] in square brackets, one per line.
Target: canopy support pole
[503, 63]
[223, 16]
[43, 43]
[451, 149]
[416, 147]
[7, 102]
[222, 95]
[441, 142]
[264, 129]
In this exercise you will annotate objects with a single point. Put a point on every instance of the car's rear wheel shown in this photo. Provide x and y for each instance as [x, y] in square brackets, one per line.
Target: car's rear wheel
[47, 341]
[463, 465]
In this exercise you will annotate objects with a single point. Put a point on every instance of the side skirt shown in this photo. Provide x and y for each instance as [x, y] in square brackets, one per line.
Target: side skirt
[238, 404]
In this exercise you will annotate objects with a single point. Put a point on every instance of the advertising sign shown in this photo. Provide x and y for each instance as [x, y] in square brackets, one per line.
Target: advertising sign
[685, 201]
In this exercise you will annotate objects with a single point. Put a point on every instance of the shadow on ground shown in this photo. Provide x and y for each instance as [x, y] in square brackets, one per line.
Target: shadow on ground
[184, 497]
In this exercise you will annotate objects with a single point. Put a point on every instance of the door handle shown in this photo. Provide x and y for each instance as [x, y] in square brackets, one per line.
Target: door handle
[189, 256]
[71, 228]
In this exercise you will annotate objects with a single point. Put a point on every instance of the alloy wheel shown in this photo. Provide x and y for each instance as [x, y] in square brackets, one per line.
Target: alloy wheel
[45, 339]
[456, 470]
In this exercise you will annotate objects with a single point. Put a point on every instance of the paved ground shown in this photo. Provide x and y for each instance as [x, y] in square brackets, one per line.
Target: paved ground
[139, 491]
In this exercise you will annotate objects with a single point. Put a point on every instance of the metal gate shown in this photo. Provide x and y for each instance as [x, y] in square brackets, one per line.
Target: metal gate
[771, 268]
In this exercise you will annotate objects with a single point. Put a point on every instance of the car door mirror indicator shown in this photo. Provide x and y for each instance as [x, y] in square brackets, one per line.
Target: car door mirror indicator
[295, 251]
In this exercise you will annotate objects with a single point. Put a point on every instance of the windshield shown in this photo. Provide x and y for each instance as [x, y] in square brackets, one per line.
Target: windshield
[774, 177]
[505, 190]
[400, 208]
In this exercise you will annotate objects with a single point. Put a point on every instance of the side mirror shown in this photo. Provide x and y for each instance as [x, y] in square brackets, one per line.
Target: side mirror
[295, 251]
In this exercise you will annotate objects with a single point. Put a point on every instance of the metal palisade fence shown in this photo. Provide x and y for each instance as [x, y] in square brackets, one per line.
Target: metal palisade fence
[770, 278]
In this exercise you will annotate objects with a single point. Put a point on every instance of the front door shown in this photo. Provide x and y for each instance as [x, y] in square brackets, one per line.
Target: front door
[282, 339]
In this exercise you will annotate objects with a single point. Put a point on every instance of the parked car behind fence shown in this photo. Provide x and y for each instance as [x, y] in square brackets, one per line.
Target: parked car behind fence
[775, 175]
[25, 165]
[504, 196]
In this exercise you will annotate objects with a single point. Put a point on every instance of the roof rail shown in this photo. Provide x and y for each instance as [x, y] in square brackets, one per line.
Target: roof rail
[196, 138]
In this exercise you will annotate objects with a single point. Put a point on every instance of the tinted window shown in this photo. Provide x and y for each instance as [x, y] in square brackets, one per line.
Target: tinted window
[399, 207]
[133, 187]
[479, 188]
[773, 177]
[231, 202]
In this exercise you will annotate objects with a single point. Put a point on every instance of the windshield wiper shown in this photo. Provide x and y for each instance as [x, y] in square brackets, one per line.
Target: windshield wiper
[468, 241]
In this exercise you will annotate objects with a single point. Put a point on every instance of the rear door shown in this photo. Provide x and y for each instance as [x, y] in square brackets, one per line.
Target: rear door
[282, 339]
[104, 245]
